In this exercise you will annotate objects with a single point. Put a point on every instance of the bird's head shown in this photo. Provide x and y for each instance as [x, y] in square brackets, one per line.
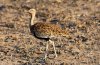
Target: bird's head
[32, 11]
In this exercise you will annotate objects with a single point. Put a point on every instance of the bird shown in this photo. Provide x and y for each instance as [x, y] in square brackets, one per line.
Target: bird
[46, 31]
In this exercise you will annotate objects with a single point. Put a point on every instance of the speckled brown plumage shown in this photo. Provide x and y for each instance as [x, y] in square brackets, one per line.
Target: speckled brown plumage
[47, 30]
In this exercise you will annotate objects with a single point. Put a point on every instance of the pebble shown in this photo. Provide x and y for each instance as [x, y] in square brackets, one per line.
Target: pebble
[71, 25]
[51, 56]
[1, 6]
[8, 39]
[40, 60]
[54, 21]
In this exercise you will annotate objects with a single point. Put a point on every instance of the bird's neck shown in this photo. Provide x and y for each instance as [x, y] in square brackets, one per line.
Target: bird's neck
[32, 20]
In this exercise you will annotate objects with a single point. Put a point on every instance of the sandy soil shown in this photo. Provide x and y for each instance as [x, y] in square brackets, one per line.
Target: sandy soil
[80, 17]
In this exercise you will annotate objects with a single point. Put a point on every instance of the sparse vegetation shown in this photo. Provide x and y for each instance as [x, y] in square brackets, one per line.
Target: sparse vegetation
[80, 17]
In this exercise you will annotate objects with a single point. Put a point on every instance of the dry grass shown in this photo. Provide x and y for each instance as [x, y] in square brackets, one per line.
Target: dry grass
[80, 17]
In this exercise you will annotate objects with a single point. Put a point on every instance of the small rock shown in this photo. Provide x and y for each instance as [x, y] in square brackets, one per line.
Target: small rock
[1, 6]
[10, 25]
[8, 39]
[71, 25]
[51, 56]
[54, 21]
[63, 26]
[40, 60]
[83, 39]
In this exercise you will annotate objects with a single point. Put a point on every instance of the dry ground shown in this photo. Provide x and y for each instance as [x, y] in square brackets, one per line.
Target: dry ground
[80, 17]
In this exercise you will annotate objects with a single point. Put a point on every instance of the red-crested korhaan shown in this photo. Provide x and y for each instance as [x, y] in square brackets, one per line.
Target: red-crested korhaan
[46, 31]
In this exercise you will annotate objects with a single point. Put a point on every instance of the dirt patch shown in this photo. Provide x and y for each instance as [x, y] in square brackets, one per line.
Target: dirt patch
[80, 17]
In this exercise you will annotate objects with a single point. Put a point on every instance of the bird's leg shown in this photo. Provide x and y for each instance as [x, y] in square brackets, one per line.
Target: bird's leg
[46, 51]
[53, 47]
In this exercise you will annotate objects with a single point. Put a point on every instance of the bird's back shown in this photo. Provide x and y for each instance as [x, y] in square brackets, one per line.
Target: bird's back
[47, 30]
